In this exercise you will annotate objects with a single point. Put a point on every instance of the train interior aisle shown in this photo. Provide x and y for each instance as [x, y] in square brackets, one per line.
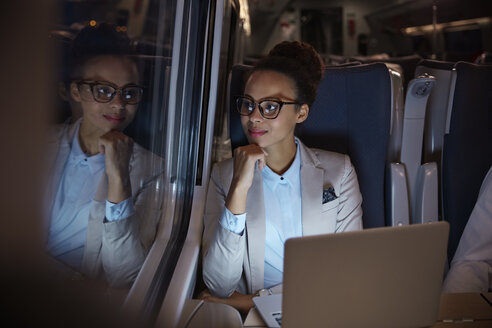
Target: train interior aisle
[405, 93]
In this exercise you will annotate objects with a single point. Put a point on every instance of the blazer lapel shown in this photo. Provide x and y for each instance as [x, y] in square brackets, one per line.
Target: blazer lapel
[311, 191]
[255, 232]
[58, 154]
[315, 177]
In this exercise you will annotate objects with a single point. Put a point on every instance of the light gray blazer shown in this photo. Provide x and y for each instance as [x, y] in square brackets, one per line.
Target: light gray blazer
[115, 249]
[233, 262]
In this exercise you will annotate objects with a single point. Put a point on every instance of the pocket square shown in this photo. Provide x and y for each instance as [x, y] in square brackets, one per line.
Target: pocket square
[329, 195]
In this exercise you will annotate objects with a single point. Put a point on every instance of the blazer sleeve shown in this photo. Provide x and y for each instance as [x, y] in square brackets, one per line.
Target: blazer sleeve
[122, 253]
[468, 277]
[349, 216]
[471, 268]
[126, 242]
[223, 250]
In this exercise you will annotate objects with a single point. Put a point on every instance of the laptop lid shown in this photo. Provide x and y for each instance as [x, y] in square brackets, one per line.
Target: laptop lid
[382, 277]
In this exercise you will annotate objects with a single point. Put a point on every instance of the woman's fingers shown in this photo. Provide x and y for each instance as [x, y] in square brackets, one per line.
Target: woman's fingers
[117, 147]
[245, 159]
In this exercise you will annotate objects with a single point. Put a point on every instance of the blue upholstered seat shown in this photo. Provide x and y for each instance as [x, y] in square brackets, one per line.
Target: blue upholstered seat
[467, 150]
[351, 115]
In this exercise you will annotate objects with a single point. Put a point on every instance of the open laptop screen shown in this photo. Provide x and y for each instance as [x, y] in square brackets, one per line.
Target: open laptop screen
[382, 277]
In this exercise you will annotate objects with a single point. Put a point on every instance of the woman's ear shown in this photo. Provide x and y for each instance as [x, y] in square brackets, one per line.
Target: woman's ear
[74, 92]
[303, 113]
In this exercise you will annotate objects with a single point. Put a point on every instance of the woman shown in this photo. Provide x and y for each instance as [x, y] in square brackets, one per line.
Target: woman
[274, 188]
[101, 182]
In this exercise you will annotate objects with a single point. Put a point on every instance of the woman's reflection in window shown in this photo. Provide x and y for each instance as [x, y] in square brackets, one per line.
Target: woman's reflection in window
[101, 181]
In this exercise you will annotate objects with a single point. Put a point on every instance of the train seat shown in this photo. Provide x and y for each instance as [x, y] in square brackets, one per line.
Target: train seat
[437, 106]
[467, 153]
[407, 118]
[422, 178]
[397, 104]
[407, 63]
[352, 115]
[436, 112]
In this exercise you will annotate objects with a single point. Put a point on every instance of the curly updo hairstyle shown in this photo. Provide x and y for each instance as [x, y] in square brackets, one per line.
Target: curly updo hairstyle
[100, 40]
[300, 62]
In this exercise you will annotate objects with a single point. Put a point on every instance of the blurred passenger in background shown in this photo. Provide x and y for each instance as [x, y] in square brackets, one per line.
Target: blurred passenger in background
[102, 182]
[484, 58]
[471, 269]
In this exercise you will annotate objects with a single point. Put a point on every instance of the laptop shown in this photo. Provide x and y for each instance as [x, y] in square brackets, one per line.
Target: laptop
[381, 277]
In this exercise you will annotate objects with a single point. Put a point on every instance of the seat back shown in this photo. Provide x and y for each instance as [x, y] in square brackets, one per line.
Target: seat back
[437, 106]
[467, 151]
[397, 101]
[352, 115]
[408, 64]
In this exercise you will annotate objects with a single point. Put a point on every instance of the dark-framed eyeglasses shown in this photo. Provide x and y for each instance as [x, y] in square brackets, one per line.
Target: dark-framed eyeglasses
[269, 108]
[104, 92]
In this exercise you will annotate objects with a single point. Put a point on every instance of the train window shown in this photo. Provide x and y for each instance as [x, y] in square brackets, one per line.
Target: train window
[233, 34]
[128, 140]
[111, 177]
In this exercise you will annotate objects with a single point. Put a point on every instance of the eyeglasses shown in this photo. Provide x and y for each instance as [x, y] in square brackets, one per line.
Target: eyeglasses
[269, 108]
[104, 92]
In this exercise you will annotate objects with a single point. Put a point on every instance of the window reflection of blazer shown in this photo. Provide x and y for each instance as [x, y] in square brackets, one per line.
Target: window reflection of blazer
[233, 262]
[115, 249]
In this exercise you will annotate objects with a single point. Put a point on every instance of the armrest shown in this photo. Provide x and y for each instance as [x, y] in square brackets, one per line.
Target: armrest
[398, 210]
[426, 195]
[204, 314]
